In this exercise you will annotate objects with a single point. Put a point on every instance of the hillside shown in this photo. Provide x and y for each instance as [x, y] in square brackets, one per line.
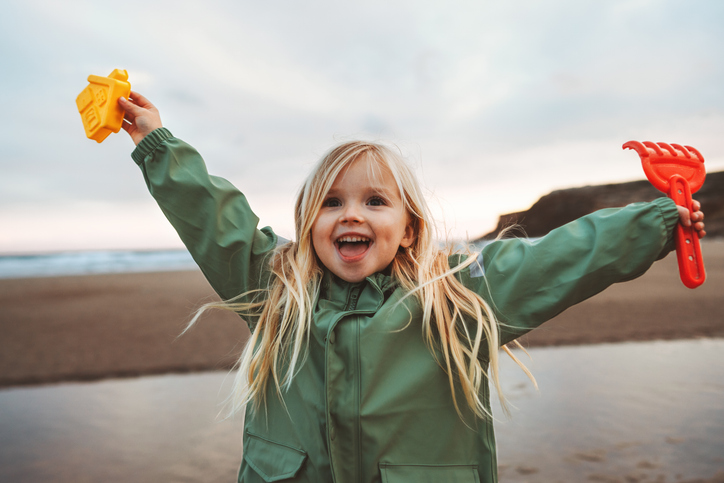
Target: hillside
[562, 206]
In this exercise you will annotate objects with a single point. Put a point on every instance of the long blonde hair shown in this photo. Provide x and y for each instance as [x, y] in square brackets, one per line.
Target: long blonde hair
[282, 311]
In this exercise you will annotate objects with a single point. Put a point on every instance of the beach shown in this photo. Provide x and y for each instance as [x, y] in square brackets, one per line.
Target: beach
[81, 328]
[97, 385]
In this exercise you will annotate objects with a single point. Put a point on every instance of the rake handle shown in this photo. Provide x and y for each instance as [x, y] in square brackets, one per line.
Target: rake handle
[688, 248]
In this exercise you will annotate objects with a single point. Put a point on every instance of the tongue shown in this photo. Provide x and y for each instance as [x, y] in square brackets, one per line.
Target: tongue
[352, 249]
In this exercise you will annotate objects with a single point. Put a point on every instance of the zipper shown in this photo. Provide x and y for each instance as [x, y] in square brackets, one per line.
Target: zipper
[353, 298]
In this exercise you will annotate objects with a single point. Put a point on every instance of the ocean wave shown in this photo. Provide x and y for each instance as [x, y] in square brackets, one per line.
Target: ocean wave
[84, 263]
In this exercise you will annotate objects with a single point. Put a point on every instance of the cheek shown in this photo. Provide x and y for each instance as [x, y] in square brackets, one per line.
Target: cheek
[317, 245]
[321, 233]
[316, 241]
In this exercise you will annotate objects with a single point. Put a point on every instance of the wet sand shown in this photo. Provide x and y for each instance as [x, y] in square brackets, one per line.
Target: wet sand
[122, 325]
[619, 413]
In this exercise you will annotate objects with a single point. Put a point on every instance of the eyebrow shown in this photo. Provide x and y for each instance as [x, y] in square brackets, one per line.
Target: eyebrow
[375, 190]
[382, 191]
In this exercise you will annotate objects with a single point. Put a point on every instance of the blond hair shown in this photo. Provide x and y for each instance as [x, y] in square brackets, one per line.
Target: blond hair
[283, 310]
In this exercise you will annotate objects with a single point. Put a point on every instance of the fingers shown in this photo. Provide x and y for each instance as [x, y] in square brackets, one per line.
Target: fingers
[699, 227]
[684, 216]
[688, 217]
[141, 101]
[135, 104]
[132, 110]
[693, 219]
[127, 115]
[697, 218]
[140, 116]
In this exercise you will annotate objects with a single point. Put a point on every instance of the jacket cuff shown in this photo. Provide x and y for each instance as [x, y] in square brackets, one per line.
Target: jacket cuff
[670, 215]
[149, 143]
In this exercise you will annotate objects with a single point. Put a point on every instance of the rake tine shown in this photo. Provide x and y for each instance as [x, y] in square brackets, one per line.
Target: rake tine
[682, 149]
[655, 147]
[638, 147]
[696, 153]
[668, 148]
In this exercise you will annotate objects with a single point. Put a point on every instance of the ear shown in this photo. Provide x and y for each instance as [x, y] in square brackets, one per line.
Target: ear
[409, 236]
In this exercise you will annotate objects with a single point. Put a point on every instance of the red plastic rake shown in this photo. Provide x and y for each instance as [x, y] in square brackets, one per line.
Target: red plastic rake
[677, 171]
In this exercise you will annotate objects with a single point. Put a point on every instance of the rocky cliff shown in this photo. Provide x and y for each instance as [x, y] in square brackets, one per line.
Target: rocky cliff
[562, 206]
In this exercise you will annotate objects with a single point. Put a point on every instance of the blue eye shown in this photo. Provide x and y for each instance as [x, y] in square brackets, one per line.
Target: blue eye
[331, 203]
[376, 201]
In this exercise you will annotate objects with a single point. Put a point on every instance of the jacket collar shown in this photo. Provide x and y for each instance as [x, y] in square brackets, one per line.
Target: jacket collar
[371, 292]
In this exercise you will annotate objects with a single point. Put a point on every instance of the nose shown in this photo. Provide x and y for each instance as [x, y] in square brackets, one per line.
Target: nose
[351, 214]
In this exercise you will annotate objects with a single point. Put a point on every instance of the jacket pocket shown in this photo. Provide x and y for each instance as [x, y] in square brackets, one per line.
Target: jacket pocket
[429, 473]
[272, 461]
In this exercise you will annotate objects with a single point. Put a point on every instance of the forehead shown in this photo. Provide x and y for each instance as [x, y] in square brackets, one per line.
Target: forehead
[367, 172]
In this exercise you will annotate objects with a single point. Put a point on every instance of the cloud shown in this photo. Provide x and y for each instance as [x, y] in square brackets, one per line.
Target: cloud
[514, 99]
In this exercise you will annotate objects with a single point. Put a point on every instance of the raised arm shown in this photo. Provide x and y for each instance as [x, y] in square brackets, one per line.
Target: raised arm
[530, 282]
[210, 215]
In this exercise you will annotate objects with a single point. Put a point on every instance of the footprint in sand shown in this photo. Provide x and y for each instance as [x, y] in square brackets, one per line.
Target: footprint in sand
[526, 470]
[592, 456]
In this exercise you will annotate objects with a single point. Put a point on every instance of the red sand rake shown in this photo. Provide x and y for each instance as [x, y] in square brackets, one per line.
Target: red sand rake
[677, 171]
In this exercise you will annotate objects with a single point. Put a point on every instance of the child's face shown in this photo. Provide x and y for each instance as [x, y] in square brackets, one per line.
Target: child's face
[361, 224]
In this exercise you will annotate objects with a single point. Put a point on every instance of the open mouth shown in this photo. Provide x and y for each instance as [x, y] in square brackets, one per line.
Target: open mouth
[352, 247]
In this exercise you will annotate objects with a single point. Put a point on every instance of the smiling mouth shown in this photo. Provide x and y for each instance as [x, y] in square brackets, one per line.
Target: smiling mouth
[352, 248]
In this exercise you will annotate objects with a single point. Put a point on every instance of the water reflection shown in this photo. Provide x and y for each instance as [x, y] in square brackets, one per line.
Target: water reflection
[619, 412]
[151, 429]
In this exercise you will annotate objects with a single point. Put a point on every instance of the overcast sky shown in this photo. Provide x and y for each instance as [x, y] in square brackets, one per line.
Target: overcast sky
[494, 103]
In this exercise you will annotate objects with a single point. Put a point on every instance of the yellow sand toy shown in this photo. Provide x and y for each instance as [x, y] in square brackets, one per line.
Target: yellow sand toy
[98, 104]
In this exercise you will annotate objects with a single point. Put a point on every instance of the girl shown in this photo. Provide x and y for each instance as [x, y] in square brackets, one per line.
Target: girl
[371, 347]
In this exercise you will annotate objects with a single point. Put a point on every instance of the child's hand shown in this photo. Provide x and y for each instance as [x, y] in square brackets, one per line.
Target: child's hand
[697, 218]
[141, 116]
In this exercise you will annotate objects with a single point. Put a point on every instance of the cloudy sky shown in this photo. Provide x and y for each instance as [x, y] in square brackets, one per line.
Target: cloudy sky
[494, 103]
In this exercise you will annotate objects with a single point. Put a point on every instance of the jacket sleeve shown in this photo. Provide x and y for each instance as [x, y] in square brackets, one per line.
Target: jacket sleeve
[210, 215]
[529, 282]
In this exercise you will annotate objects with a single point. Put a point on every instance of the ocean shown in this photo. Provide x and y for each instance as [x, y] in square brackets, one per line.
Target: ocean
[93, 262]
[105, 261]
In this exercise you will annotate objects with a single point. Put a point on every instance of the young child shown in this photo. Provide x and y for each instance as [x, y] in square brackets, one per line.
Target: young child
[371, 348]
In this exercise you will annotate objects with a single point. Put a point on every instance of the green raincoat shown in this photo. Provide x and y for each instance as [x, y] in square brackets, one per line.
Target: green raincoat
[370, 404]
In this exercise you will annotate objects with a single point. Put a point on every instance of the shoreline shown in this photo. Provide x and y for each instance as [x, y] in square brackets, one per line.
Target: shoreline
[92, 327]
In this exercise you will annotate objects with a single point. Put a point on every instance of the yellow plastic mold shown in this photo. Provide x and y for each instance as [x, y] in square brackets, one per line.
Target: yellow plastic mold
[98, 104]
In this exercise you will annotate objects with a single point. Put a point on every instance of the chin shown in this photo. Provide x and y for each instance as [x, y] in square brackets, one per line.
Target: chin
[351, 278]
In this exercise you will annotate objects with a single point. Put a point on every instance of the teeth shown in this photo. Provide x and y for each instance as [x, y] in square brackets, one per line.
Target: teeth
[352, 239]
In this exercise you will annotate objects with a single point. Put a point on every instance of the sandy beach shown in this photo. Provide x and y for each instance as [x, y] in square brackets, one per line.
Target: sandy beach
[123, 325]
[621, 426]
